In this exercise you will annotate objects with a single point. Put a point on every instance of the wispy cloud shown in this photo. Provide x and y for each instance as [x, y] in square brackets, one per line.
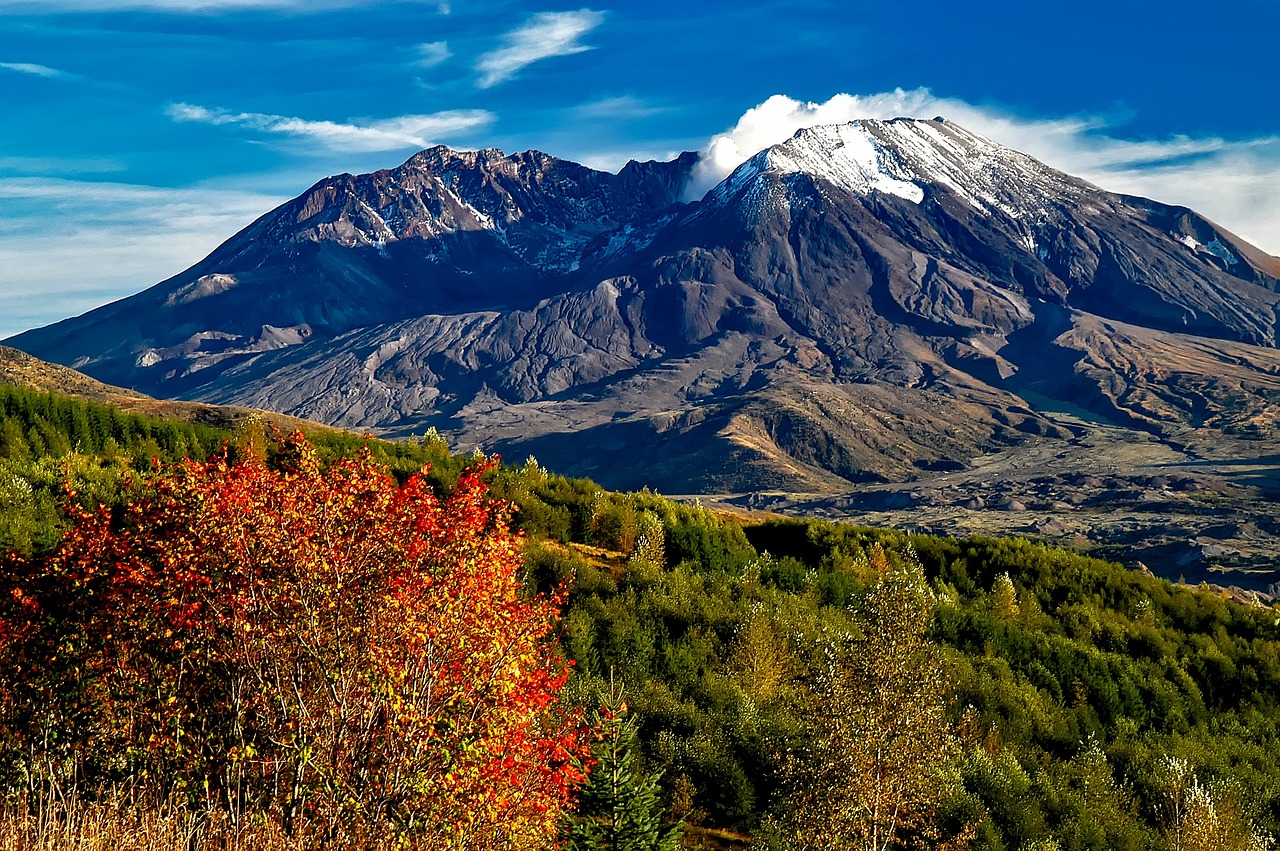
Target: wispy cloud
[622, 107]
[432, 54]
[27, 166]
[33, 69]
[136, 235]
[1231, 182]
[543, 36]
[385, 134]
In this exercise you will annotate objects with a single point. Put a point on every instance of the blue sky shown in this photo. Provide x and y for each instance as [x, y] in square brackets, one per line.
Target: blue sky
[136, 135]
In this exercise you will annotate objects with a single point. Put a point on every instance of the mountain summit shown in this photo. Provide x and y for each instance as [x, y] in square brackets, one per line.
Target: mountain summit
[873, 301]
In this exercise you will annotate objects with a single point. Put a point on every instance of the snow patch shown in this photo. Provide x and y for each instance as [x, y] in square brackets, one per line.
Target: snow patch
[847, 156]
[1213, 246]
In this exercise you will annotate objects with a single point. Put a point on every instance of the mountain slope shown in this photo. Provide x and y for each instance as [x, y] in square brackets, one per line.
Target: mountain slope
[868, 302]
[446, 230]
[20, 369]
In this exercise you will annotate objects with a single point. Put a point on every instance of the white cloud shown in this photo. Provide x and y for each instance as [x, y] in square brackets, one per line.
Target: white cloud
[67, 246]
[543, 36]
[385, 134]
[432, 54]
[60, 165]
[34, 69]
[1235, 187]
[1231, 182]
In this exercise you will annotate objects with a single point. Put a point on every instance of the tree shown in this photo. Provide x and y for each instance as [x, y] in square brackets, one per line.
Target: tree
[649, 554]
[620, 808]
[760, 660]
[871, 773]
[1004, 598]
[12, 443]
[650, 547]
[327, 647]
[1200, 817]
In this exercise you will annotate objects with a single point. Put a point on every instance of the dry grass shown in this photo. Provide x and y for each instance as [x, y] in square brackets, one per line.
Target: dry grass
[119, 825]
[710, 839]
[23, 370]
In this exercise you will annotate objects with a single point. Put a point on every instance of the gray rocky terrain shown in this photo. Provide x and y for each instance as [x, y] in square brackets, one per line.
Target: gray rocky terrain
[899, 321]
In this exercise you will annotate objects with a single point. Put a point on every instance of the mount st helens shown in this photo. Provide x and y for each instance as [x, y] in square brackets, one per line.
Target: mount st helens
[896, 316]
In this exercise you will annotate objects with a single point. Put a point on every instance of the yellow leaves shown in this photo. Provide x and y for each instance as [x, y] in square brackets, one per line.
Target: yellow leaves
[364, 642]
[881, 734]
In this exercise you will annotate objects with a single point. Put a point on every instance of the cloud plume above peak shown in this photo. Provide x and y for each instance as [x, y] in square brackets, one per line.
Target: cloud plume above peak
[1228, 181]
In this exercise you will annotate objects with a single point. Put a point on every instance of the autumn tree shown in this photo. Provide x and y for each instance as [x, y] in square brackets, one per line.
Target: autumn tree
[650, 549]
[323, 646]
[871, 774]
[760, 660]
[1004, 598]
[1204, 817]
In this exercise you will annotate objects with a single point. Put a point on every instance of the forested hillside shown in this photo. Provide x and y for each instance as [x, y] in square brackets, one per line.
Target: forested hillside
[740, 668]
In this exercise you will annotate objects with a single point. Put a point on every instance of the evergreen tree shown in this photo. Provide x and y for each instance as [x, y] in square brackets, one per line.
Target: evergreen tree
[620, 809]
[12, 443]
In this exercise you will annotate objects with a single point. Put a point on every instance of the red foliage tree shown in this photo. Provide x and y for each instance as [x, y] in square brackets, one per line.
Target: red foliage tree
[328, 646]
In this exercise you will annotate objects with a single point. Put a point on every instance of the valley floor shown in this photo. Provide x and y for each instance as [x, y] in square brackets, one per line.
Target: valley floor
[1203, 511]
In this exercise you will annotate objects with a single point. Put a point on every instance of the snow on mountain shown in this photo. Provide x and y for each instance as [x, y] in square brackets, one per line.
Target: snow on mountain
[905, 157]
[877, 266]
[846, 155]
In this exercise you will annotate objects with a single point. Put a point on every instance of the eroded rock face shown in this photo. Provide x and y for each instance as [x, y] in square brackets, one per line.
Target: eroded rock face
[868, 302]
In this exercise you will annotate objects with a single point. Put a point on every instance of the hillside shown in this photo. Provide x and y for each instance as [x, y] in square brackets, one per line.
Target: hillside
[1074, 683]
[20, 369]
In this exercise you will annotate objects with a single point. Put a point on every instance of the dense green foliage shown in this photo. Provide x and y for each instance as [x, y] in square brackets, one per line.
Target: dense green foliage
[36, 424]
[1073, 677]
[1074, 680]
[50, 444]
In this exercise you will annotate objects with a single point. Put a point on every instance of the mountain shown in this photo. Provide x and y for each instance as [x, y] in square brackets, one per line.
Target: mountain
[445, 232]
[861, 306]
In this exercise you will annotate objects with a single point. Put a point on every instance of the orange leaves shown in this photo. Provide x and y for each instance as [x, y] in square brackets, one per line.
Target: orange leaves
[330, 647]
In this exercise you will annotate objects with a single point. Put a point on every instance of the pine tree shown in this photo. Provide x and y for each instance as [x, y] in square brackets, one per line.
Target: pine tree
[12, 443]
[620, 809]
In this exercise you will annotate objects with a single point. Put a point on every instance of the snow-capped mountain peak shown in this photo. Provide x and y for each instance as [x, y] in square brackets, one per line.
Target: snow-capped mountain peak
[846, 155]
[906, 157]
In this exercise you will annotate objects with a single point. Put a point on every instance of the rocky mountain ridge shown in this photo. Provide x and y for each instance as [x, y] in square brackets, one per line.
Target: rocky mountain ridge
[872, 302]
